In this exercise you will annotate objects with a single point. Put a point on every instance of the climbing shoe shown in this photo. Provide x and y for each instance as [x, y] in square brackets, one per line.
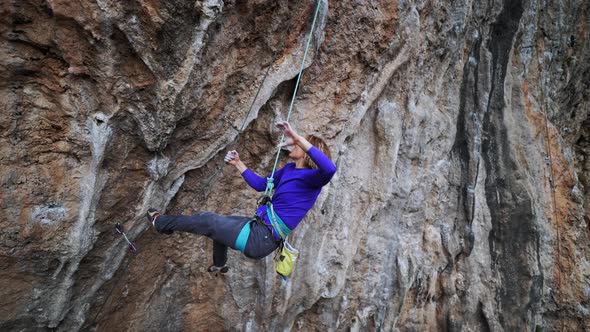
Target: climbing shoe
[221, 269]
[152, 214]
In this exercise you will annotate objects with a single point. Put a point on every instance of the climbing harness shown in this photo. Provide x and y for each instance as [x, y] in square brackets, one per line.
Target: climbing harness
[242, 238]
[277, 223]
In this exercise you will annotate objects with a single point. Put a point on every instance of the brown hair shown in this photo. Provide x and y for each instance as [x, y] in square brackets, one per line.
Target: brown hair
[321, 145]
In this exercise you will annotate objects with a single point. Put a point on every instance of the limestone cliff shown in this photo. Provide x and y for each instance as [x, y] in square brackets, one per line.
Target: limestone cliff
[460, 129]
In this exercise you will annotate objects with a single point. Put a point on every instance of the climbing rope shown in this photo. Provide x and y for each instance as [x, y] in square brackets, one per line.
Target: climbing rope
[270, 180]
[241, 130]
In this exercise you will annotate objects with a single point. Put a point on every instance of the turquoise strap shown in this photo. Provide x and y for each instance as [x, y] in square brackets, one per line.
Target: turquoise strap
[243, 237]
[277, 223]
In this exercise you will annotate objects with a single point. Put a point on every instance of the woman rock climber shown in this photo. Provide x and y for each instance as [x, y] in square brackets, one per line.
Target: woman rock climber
[297, 186]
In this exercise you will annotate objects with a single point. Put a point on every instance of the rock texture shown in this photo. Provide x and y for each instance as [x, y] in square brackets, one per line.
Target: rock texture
[461, 131]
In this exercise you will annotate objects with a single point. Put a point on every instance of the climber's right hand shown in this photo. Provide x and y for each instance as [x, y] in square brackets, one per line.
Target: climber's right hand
[232, 158]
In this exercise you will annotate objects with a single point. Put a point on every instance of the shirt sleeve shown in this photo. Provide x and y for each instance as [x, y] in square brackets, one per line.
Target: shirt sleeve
[257, 182]
[326, 168]
[254, 180]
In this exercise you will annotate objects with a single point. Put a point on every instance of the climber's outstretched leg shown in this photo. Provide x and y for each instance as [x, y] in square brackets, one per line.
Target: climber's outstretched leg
[222, 229]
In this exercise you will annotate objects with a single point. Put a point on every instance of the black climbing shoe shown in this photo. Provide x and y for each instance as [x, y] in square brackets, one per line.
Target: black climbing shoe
[152, 214]
[223, 269]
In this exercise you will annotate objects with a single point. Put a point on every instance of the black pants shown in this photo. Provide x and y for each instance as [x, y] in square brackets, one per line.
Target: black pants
[224, 231]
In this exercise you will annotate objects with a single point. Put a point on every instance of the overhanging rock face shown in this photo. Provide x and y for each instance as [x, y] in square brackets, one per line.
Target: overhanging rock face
[461, 133]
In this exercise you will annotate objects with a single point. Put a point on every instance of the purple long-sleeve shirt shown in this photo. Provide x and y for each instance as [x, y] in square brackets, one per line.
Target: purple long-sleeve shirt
[296, 189]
